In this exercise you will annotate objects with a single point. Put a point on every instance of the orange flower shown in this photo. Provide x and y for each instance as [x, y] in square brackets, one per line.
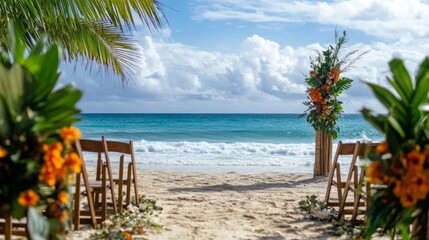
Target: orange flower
[374, 173]
[127, 235]
[414, 159]
[313, 73]
[315, 95]
[334, 75]
[3, 152]
[74, 162]
[326, 87]
[48, 175]
[413, 186]
[28, 198]
[63, 197]
[407, 200]
[53, 154]
[69, 134]
[382, 148]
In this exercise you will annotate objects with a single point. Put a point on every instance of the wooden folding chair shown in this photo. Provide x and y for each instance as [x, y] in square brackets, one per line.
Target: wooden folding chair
[94, 190]
[10, 227]
[125, 148]
[77, 212]
[363, 192]
[354, 184]
[343, 149]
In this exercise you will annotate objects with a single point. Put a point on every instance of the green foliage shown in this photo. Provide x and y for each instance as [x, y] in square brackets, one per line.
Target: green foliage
[135, 220]
[325, 85]
[91, 30]
[318, 210]
[31, 114]
[406, 129]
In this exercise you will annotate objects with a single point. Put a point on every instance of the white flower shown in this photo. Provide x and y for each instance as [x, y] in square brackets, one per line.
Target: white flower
[107, 223]
[324, 214]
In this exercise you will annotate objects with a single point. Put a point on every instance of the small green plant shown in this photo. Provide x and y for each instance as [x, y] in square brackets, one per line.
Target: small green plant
[135, 220]
[318, 210]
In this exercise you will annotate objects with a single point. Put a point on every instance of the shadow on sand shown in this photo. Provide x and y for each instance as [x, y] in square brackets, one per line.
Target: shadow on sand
[244, 188]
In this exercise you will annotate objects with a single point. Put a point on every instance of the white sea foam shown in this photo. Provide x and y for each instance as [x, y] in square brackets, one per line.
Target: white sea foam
[237, 148]
[299, 156]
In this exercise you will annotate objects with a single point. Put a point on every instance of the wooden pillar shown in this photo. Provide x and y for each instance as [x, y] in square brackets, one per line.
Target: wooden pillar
[323, 154]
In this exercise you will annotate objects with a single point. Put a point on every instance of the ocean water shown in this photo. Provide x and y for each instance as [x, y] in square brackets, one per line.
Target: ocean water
[221, 142]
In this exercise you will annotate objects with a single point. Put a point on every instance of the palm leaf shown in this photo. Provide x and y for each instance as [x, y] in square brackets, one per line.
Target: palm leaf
[89, 29]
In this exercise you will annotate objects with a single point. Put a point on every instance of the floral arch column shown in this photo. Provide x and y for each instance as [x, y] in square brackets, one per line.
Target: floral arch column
[323, 107]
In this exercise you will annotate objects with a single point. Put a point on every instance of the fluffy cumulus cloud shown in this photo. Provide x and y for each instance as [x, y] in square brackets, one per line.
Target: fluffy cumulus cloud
[262, 74]
[396, 19]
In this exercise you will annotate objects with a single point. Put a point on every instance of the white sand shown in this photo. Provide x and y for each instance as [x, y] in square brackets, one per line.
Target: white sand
[232, 205]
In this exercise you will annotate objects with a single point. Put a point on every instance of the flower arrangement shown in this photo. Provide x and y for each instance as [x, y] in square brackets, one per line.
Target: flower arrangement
[133, 222]
[325, 85]
[37, 161]
[400, 165]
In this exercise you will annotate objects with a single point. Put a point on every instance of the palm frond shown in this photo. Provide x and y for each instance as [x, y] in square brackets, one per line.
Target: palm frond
[95, 30]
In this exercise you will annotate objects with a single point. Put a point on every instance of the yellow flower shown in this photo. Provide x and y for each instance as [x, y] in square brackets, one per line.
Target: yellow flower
[28, 198]
[74, 162]
[374, 173]
[69, 134]
[3, 152]
[63, 197]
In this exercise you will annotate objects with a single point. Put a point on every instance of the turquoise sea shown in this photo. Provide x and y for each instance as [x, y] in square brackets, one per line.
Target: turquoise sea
[221, 142]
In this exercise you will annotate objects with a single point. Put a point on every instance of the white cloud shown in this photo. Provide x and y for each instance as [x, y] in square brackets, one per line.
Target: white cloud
[261, 76]
[394, 19]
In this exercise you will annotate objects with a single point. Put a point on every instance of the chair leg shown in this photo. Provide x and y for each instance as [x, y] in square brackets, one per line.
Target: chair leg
[103, 195]
[128, 199]
[76, 211]
[134, 181]
[8, 227]
[120, 182]
[339, 183]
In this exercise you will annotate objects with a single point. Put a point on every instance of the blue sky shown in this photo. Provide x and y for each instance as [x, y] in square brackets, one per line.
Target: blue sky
[251, 56]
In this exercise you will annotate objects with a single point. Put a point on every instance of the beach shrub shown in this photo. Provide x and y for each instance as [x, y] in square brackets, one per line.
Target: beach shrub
[326, 84]
[400, 165]
[135, 220]
[36, 159]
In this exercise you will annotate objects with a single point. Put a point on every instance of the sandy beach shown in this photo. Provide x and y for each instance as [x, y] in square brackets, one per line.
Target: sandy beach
[232, 205]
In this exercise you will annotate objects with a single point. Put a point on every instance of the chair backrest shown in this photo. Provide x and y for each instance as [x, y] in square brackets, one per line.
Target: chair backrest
[343, 149]
[90, 145]
[346, 148]
[126, 148]
[120, 147]
[100, 147]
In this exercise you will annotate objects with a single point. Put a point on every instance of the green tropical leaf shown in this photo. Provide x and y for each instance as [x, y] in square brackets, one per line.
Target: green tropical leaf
[396, 126]
[389, 101]
[376, 120]
[422, 85]
[401, 80]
